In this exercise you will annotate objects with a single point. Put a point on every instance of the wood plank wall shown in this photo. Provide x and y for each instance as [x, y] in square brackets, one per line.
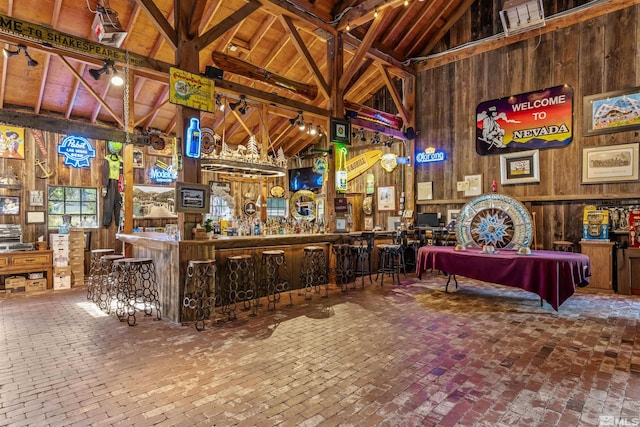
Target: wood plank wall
[596, 56]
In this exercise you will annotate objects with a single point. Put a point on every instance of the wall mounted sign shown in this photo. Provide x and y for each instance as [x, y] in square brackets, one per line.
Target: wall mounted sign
[163, 173]
[361, 163]
[12, 142]
[341, 169]
[192, 148]
[208, 140]
[532, 120]
[340, 131]
[320, 165]
[249, 208]
[77, 150]
[388, 162]
[430, 154]
[191, 90]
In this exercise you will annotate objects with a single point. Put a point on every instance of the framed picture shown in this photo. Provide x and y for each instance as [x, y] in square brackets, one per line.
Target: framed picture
[425, 190]
[153, 202]
[609, 112]
[340, 131]
[34, 217]
[386, 198]
[341, 225]
[452, 215]
[521, 167]
[36, 198]
[610, 163]
[475, 185]
[138, 159]
[368, 223]
[9, 205]
[192, 198]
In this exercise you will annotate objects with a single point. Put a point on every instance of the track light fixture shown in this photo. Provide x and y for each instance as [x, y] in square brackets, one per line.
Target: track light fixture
[360, 133]
[298, 120]
[219, 103]
[116, 79]
[311, 130]
[241, 105]
[9, 53]
[376, 138]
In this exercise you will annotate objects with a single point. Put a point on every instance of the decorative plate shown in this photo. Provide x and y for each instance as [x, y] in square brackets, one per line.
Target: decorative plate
[494, 219]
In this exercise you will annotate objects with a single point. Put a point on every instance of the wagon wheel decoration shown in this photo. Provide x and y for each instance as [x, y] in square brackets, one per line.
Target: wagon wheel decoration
[494, 219]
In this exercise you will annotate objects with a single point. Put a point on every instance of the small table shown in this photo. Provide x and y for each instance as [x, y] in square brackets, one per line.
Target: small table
[552, 275]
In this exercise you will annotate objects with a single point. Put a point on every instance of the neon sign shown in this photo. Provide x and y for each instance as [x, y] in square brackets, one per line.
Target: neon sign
[163, 173]
[193, 139]
[77, 150]
[430, 155]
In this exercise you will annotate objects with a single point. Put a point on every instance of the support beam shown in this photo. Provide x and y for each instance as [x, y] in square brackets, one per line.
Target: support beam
[160, 22]
[234, 19]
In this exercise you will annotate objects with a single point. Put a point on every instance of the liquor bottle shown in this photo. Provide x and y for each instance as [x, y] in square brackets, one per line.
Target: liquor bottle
[193, 139]
[341, 170]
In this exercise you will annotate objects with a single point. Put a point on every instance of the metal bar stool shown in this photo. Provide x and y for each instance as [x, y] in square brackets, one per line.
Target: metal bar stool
[241, 286]
[361, 253]
[314, 271]
[105, 291]
[199, 298]
[391, 256]
[136, 284]
[273, 282]
[95, 271]
[345, 272]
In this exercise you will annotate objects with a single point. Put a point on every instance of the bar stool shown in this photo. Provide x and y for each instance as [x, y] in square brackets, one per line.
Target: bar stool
[273, 282]
[563, 246]
[345, 273]
[361, 251]
[136, 283]
[314, 271]
[391, 257]
[103, 295]
[199, 292]
[241, 286]
[94, 271]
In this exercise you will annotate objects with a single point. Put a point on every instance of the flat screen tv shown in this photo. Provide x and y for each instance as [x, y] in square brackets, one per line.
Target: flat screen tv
[304, 179]
[428, 220]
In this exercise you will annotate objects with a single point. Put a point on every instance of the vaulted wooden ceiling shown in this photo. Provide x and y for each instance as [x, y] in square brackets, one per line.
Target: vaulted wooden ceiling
[287, 37]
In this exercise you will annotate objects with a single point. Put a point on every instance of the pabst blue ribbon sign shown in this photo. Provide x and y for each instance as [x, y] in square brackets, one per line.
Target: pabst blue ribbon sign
[77, 151]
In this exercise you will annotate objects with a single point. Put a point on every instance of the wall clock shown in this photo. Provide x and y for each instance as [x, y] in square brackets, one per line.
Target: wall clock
[494, 219]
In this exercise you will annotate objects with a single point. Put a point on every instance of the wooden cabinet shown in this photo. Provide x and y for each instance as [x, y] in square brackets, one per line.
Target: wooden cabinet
[601, 256]
[76, 256]
[28, 262]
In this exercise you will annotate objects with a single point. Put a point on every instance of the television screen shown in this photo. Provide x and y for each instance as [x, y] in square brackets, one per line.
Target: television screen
[427, 220]
[304, 179]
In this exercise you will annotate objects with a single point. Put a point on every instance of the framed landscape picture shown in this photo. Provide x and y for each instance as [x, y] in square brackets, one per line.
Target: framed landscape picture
[521, 167]
[611, 112]
[610, 163]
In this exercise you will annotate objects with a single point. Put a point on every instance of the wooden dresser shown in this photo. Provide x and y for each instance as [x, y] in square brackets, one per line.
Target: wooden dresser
[28, 262]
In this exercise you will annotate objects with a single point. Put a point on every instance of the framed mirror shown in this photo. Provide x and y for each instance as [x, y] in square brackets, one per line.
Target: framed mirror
[303, 205]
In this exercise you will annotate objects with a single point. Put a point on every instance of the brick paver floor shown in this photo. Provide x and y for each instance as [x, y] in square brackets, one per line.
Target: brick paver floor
[400, 355]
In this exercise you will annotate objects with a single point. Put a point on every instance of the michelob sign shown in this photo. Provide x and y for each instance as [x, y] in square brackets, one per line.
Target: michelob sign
[533, 120]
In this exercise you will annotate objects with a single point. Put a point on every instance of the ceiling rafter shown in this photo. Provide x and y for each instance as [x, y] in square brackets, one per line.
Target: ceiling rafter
[55, 15]
[420, 41]
[365, 12]
[368, 39]
[5, 63]
[416, 24]
[160, 22]
[234, 19]
[364, 69]
[306, 56]
[395, 95]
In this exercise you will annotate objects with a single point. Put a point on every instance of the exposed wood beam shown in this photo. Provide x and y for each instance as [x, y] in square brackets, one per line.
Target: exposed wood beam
[373, 127]
[91, 91]
[354, 64]
[397, 97]
[5, 63]
[365, 12]
[306, 56]
[353, 41]
[361, 72]
[209, 13]
[47, 61]
[160, 22]
[73, 93]
[552, 24]
[242, 123]
[442, 32]
[283, 7]
[161, 101]
[416, 25]
[234, 19]
[196, 15]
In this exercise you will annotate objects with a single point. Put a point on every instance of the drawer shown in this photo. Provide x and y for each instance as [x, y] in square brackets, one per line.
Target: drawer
[33, 259]
[4, 261]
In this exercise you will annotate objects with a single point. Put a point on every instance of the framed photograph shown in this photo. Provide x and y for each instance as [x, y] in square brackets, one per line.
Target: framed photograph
[341, 225]
[475, 185]
[521, 167]
[34, 217]
[153, 201]
[609, 112]
[192, 198]
[9, 205]
[36, 198]
[610, 163]
[340, 131]
[452, 215]
[425, 190]
[138, 159]
[386, 198]
[368, 223]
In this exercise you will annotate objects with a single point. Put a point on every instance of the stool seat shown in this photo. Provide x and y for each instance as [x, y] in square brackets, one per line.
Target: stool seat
[345, 271]
[240, 286]
[135, 283]
[199, 297]
[274, 272]
[314, 271]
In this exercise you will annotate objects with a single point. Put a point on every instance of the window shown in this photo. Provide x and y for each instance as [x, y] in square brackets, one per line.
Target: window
[79, 204]
[276, 207]
[219, 207]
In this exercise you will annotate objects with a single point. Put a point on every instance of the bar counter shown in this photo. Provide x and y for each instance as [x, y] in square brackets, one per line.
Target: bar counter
[172, 257]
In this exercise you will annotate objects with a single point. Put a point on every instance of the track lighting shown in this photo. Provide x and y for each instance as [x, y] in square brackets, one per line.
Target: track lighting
[311, 130]
[298, 120]
[116, 79]
[219, 103]
[376, 138]
[241, 105]
[360, 133]
[375, 13]
[30, 61]
[319, 131]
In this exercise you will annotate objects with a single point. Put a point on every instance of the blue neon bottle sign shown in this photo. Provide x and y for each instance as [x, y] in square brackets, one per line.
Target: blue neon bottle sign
[192, 148]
